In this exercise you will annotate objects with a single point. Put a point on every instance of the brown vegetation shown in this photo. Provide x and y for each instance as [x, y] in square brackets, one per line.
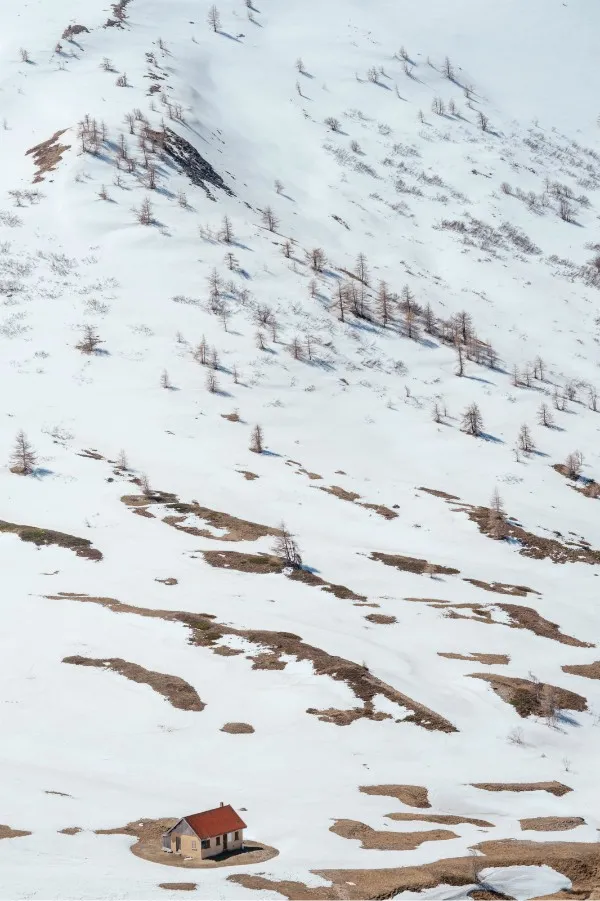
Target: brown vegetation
[206, 633]
[70, 830]
[488, 659]
[381, 619]
[237, 728]
[371, 839]
[531, 698]
[444, 819]
[578, 861]
[551, 824]
[411, 795]
[178, 886]
[413, 564]
[44, 537]
[553, 788]
[47, 155]
[7, 832]
[177, 691]
[587, 670]
[352, 497]
[503, 588]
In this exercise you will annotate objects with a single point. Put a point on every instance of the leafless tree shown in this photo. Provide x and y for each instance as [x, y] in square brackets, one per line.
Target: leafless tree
[269, 219]
[566, 210]
[355, 147]
[121, 81]
[525, 440]
[236, 375]
[460, 359]
[226, 233]
[437, 106]
[448, 69]
[539, 368]
[384, 308]
[90, 341]
[593, 399]
[201, 352]
[279, 186]
[256, 441]
[231, 261]
[333, 124]
[483, 121]
[340, 300]
[317, 259]
[300, 66]
[362, 269]
[215, 283]
[24, 54]
[287, 249]
[211, 381]
[574, 464]
[260, 340]
[436, 412]
[145, 485]
[286, 548]
[472, 421]
[144, 213]
[559, 399]
[213, 18]
[545, 416]
[23, 457]
[296, 348]
[122, 461]
[164, 379]
[496, 516]
[107, 65]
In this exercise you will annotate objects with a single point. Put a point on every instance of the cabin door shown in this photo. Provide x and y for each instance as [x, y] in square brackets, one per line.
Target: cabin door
[225, 842]
[177, 843]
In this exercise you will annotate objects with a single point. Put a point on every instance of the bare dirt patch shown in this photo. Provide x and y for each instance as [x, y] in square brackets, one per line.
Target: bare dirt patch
[411, 795]
[532, 698]
[442, 818]
[237, 728]
[179, 886]
[413, 564]
[169, 581]
[267, 661]
[353, 498]
[231, 417]
[520, 618]
[346, 717]
[269, 563]
[381, 619]
[205, 632]
[587, 670]
[45, 537]
[487, 659]
[47, 155]
[553, 788]
[503, 588]
[578, 861]
[587, 487]
[148, 846]
[70, 830]
[232, 527]
[7, 832]
[371, 839]
[551, 824]
[177, 691]
[249, 476]
[437, 493]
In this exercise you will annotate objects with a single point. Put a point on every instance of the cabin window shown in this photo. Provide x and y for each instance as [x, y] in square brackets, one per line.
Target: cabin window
[205, 843]
[194, 846]
[237, 836]
[218, 839]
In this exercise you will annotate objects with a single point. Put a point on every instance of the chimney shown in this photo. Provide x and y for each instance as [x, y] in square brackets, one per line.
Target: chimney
[222, 805]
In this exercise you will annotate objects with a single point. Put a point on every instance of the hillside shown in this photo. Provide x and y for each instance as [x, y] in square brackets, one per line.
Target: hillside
[329, 269]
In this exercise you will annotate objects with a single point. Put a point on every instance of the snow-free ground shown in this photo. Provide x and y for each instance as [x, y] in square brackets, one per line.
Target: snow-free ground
[355, 408]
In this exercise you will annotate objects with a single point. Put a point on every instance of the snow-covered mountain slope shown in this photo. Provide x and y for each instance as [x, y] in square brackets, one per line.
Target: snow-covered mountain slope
[310, 220]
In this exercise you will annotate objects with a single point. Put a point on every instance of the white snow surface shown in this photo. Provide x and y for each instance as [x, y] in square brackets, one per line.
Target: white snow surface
[354, 409]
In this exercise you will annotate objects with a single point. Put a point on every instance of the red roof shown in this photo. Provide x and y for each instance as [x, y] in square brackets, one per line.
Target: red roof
[214, 822]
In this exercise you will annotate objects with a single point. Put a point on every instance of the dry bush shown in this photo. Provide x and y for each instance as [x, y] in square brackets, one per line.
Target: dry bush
[90, 342]
[286, 548]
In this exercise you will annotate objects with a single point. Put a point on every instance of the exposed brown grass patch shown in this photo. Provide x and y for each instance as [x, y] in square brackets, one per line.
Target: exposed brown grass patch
[437, 493]
[587, 670]
[170, 581]
[411, 795]
[232, 527]
[249, 476]
[179, 886]
[587, 487]
[502, 587]
[413, 564]
[206, 633]
[224, 651]
[373, 840]
[578, 861]
[520, 618]
[487, 659]
[269, 563]
[346, 717]
[353, 498]
[7, 832]
[381, 619]
[70, 830]
[444, 819]
[551, 824]
[267, 660]
[45, 537]
[532, 698]
[148, 846]
[237, 728]
[553, 788]
[231, 417]
[177, 691]
[47, 155]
